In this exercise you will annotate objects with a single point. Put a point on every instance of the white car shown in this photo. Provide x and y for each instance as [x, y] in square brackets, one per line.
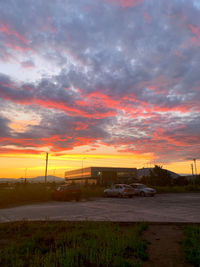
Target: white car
[119, 190]
[143, 190]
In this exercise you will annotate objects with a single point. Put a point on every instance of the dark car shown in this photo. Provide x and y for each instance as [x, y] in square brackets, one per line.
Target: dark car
[67, 192]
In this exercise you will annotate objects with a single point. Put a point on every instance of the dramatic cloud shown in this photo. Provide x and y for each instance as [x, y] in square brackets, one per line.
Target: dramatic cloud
[123, 73]
[4, 128]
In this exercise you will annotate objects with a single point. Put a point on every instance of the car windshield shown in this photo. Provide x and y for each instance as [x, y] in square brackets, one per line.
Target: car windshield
[141, 186]
[127, 186]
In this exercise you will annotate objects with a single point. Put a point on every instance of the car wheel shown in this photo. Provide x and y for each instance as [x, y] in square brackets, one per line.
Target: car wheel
[120, 195]
[130, 196]
[142, 194]
[105, 194]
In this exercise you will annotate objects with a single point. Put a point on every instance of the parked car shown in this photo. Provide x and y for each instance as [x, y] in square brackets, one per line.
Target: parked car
[119, 190]
[143, 190]
[67, 192]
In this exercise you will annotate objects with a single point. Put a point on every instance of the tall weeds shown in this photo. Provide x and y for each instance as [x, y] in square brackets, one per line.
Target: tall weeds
[72, 244]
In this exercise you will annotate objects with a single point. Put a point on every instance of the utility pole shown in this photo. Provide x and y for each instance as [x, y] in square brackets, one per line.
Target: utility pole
[192, 170]
[46, 167]
[25, 175]
[54, 174]
[195, 166]
[193, 176]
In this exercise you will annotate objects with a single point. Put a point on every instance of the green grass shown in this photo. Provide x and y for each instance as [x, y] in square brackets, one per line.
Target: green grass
[177, 189]
[25, 193]
[71, 244]
[191, 244]
[21, 194]
[93, 191]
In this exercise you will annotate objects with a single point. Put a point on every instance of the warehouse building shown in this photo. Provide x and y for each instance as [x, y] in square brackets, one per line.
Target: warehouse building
[101, 175]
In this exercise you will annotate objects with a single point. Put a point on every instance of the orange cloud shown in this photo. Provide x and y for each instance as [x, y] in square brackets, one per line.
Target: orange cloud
[12, 152]
[24, 142]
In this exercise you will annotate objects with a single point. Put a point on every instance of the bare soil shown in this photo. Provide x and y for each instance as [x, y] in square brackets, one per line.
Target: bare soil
[164, 247]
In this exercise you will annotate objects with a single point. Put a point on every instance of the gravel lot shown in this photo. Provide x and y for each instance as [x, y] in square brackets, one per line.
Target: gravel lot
[182, 207]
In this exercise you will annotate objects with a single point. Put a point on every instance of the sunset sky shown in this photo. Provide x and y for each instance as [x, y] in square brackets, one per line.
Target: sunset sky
[99, 83]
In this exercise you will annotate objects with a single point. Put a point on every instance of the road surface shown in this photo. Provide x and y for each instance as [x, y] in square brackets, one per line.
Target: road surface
[182, 207]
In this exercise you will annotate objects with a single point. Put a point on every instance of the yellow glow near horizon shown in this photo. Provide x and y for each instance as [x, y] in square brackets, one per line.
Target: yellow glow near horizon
[30, 165]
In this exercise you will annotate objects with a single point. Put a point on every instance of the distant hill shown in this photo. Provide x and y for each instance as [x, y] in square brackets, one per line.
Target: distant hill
[38, 179]
[7, 180]
[146, 171]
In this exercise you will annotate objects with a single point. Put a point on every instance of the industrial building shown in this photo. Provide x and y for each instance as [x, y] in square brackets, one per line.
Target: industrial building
[101, 175]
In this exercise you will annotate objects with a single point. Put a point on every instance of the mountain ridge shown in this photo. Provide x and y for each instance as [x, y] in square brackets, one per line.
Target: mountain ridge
[37, 179]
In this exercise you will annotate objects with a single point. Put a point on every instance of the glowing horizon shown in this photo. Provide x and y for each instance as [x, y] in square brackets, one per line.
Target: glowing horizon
[57, 165]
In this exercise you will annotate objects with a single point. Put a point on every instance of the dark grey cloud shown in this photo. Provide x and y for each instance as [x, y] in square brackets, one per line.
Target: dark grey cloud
[4, 127]
[61, 132]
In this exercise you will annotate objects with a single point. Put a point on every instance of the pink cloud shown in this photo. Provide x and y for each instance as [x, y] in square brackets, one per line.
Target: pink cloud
[82, 141]
[195, 30]
[100, 98]
[48, 24]
[178, 53]
[19, 151]
[9, 85]
[159, 85]
[17, 47]
[72, 110]
[25, 142]
[147, 18]
[125, 3]
[27, 65]
[80, 126]
[196, 39]
[8, 30]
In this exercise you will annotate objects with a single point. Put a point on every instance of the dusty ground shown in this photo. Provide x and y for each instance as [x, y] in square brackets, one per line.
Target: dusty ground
[182, 207]
[164, 248]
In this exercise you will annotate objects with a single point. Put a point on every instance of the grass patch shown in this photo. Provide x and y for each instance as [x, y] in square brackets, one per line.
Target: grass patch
[92, 191]
[177, 189]
[71, 244]
[191, 244]
[25, 193]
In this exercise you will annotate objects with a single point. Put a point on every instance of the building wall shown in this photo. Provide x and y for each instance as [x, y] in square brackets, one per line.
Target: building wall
[79, 173]
[102, 175]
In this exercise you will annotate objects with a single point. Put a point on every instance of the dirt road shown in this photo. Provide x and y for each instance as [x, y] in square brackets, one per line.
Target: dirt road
[164, 246]
[182, 207]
